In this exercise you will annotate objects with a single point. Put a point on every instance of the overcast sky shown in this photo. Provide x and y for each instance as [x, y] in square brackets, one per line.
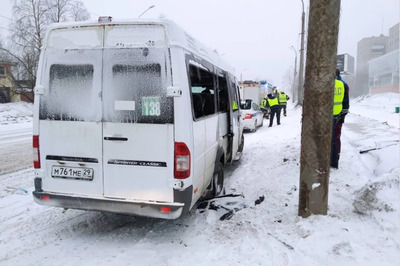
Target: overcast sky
[253, 35]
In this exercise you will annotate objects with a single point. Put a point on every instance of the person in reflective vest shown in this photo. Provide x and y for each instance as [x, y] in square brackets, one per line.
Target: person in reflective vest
[263, 103]
[234, 105]
[345, 110]
[264, 107]
[283, 98]
[273, 104]
[275, 91]
[337, 110]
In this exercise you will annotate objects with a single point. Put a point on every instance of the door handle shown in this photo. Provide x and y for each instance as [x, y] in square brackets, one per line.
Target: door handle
[116, 138]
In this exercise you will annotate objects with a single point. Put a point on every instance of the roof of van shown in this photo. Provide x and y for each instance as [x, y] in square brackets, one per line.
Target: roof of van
[176, 36]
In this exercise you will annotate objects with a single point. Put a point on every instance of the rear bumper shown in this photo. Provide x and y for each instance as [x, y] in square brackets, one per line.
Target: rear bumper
[139, 208]
[248, 124]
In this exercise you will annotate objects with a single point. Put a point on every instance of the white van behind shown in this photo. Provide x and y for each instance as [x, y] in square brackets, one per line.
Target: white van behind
[133, 117]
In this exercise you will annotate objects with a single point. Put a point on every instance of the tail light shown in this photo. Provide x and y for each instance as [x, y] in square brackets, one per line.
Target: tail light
[181, 161]
[248, 116]
[165, 209]
[36, 152]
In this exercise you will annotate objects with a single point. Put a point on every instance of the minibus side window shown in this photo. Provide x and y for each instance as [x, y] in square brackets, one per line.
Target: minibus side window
[69, 97]
[203, 91]
[234, 89]
[223, 103]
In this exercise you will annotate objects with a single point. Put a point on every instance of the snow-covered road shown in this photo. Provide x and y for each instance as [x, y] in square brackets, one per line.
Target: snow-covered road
[15, 135]
[15, 148]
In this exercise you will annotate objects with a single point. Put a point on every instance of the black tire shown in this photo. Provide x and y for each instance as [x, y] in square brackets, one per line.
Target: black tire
[241, 146]
[216, 186]
[218, 180]
[255, 126]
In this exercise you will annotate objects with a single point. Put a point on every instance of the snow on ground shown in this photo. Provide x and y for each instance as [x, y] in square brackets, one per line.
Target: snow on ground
[260, 228]
[380, 107]
[15, 113]
[15, 136]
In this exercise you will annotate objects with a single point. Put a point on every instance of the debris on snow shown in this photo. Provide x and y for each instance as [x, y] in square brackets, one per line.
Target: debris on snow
[366, 199]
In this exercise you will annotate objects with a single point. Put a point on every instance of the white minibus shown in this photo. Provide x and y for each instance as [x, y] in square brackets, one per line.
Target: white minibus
[133, 117]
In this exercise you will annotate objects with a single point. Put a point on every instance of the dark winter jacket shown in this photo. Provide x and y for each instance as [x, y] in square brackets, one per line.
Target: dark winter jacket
[346, 100]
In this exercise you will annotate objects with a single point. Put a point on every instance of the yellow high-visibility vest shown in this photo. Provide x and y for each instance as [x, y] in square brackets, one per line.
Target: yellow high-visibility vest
[338, 97]
[273, 102]
[234, 106]
[282, 98]
[263, 103]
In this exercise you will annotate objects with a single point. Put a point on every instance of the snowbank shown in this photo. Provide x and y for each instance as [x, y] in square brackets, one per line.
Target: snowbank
[380, 107]
[13, 113]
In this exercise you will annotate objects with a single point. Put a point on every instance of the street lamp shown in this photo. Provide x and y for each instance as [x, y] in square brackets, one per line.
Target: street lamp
[301, 68]
[294, 74]
[150, 7]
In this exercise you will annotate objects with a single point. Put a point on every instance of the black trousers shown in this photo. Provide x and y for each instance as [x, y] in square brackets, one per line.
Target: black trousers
[283, 107]
[334, 147]
[275, 110]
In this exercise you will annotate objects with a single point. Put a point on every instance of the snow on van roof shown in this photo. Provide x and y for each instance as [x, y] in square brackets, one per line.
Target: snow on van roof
[175, 36]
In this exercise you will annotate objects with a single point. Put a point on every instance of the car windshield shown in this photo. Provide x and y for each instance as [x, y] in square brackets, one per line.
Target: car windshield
[246, 104]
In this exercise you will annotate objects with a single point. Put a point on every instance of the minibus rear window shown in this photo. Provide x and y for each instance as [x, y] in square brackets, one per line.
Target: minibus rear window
[69, 96]
[136, 94]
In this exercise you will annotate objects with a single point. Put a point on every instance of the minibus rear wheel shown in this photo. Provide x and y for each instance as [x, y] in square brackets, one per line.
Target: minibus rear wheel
[216, 186]
[218, 180]
[241, 146]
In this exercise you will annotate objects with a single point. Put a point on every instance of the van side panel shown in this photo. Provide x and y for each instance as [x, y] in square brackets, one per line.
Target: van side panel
[184, 128]
[199, 156]
[212, 141]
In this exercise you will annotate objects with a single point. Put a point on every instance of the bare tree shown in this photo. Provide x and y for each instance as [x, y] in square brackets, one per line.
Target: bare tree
[29, 25]
[30, 21]
[323, 29]
[78, 11]
[57, 10]
[287, 81]
[66, 10]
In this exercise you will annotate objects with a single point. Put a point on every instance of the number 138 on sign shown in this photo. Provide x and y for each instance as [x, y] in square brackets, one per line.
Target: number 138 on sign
[151, 106]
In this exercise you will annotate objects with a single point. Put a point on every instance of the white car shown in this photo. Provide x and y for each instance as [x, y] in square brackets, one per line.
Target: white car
[251, 114]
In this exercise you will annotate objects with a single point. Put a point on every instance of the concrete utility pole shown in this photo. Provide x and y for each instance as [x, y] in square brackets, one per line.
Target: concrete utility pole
[300, 92]
[323, 29]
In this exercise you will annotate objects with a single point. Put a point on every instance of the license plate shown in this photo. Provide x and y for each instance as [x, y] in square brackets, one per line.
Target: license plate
[72, 172]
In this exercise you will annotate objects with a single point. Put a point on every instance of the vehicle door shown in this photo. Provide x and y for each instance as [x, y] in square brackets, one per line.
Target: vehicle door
[235, 121]
[138, 128]
[70, 114]
[257, 113]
